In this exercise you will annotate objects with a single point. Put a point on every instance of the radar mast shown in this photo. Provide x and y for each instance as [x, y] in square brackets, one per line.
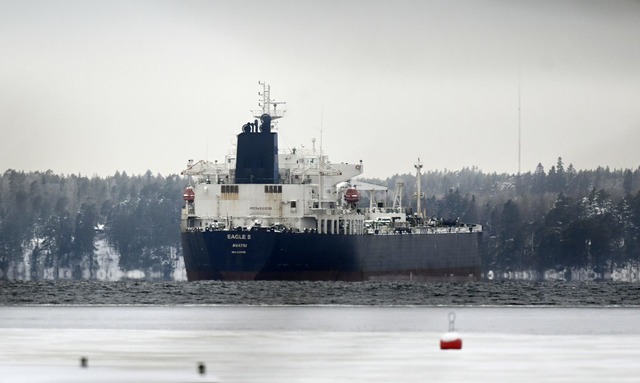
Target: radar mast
[267, 104]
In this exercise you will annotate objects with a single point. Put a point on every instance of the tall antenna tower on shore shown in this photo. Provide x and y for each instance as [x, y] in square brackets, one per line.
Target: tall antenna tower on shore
[519, 125]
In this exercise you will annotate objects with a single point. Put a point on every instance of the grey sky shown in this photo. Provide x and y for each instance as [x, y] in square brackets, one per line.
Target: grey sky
[93, 87]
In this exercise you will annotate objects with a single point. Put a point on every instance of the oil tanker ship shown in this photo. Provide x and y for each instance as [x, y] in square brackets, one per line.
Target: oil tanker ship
[262, 214]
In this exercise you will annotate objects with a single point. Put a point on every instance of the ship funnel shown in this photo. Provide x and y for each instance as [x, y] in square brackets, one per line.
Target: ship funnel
[266, 123]
[257, 154]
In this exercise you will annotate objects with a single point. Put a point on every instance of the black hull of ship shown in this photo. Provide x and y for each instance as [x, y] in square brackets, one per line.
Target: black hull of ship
[265, 255]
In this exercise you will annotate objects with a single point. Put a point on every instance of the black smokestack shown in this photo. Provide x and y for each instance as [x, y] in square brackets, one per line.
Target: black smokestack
[257, 155]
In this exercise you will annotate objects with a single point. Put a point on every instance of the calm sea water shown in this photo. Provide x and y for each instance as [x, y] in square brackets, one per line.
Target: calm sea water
[318, 332]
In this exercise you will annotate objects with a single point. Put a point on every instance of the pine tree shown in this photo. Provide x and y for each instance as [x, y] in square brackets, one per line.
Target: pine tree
[539, 180]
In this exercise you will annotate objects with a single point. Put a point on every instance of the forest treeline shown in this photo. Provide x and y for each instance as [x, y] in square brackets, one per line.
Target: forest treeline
[51, 221]
[545, 220]
[542, 220]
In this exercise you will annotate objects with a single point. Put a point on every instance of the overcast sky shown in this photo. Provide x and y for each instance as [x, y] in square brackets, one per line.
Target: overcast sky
[92, 87]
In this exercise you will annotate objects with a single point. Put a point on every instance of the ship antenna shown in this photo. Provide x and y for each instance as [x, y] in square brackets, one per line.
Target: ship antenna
[206, 154]
[321, 128]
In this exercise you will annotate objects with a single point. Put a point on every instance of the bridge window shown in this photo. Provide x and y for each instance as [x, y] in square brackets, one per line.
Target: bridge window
[273, 188]
[226, 189]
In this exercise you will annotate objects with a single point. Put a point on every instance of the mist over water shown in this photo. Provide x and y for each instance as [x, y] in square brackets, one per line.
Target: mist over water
[509, 293]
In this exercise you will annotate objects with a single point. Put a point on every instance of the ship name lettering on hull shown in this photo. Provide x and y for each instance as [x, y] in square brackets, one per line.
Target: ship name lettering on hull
[238, 236]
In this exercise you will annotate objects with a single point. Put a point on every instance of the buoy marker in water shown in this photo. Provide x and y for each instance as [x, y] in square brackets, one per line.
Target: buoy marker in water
[451, 340]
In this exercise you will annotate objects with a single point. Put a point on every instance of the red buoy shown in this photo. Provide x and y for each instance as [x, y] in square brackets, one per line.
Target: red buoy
[451, 340]
[189, 195]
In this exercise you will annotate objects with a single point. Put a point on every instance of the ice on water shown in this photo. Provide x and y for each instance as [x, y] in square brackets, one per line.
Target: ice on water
[317, 344]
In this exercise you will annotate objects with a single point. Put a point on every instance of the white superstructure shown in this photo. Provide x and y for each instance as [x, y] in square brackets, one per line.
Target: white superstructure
[310, 193]
[307, 198]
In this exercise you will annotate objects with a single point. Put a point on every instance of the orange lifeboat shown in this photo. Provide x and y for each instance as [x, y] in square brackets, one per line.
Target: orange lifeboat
[352, 195]
[189, 195]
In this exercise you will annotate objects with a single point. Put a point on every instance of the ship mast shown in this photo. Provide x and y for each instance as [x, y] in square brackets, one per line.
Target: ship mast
[268, 105]
[418, 167]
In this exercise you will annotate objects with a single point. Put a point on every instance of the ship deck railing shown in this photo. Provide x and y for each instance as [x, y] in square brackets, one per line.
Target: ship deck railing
[425, 230]
[447, 230]
[370, 231]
